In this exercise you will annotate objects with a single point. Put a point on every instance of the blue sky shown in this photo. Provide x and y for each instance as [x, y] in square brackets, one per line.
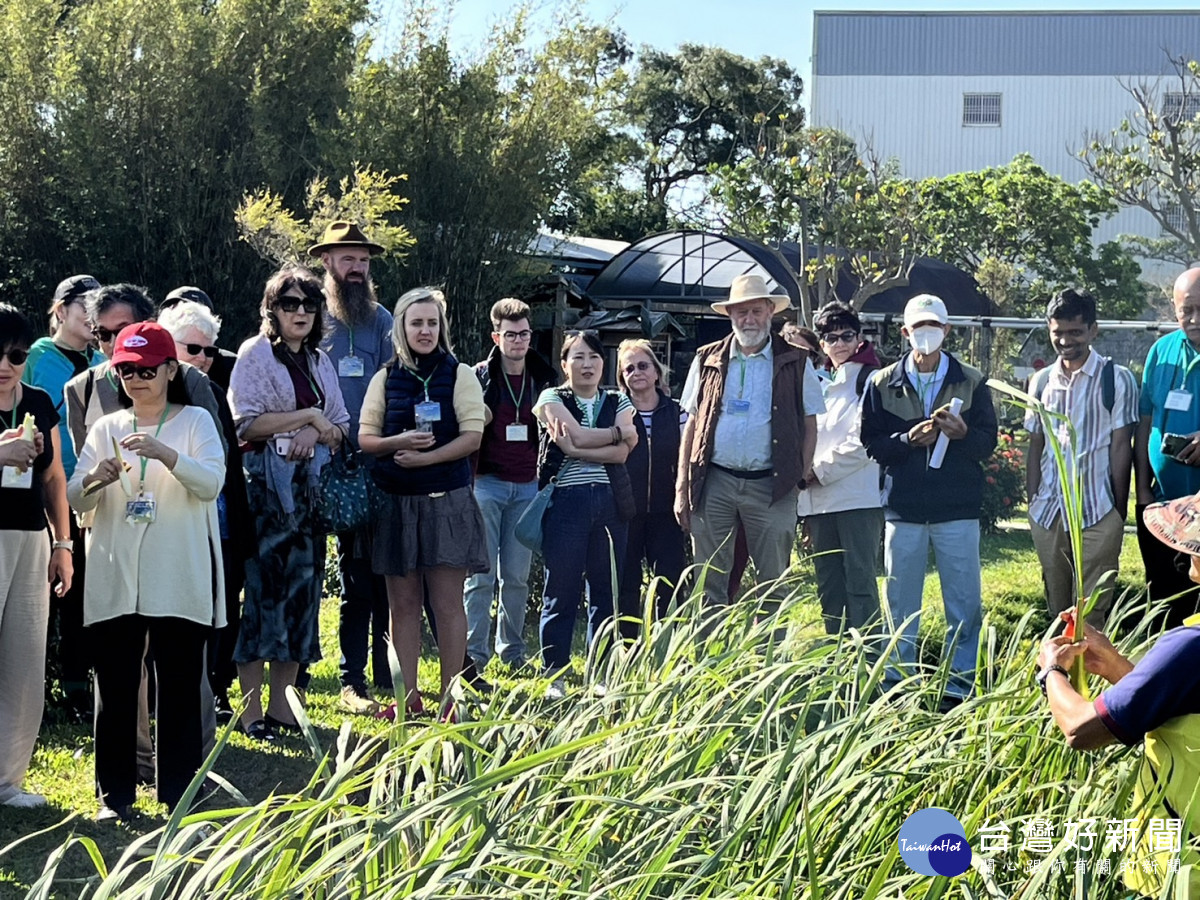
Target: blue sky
[750, 27]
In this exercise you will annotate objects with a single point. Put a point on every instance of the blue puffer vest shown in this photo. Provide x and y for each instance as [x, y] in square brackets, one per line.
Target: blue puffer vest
[404, 391]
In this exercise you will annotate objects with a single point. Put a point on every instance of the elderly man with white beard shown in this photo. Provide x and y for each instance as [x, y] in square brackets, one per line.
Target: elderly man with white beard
[752, 402]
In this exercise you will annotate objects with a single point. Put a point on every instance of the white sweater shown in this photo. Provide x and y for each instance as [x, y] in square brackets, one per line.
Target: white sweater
[849, 478]
[164, 568]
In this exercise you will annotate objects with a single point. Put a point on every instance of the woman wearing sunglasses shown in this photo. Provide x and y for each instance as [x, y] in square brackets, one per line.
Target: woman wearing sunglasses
[587, 434]
[654, 535]
[32, 490]
[150, 473]
[288, 407]
[841, 504]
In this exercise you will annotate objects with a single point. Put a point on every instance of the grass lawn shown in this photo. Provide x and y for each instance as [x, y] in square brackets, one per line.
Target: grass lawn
[62, 765]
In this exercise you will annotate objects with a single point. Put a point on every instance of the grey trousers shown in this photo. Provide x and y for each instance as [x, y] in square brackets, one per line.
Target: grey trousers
[770, 531]
[846, 545]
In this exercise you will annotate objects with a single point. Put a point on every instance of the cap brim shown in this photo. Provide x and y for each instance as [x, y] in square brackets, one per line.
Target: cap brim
[318, 249]
[1176, 523]
[782, 302]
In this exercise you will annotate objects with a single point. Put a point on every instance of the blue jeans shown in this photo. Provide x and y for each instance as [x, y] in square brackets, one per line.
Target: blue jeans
[581, 522]
[956, 552]
[501, 503]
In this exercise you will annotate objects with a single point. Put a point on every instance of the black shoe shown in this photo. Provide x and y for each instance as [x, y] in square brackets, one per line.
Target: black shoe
[259, 731]
[224, 709]
[280, 727]
[471, 676]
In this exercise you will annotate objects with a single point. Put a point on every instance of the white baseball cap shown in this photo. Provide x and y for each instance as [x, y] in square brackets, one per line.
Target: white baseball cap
[924, 308]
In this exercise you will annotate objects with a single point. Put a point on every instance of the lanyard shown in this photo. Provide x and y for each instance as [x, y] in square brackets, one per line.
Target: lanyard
[742, 383]
[350, 330]
[923, 390]
[16, 403]
[516, 399]
[142, 478]
[424, 381]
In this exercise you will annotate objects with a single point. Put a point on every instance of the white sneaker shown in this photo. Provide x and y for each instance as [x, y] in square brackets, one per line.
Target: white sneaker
[557, 690]
[19, 799]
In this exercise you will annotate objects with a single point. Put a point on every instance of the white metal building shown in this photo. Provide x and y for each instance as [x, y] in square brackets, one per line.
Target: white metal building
[956, 92]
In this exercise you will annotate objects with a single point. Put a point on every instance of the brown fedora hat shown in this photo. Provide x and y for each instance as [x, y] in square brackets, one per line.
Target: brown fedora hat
[341, 234]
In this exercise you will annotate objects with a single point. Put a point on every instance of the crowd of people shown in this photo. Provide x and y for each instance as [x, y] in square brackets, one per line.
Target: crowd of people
[162, 497]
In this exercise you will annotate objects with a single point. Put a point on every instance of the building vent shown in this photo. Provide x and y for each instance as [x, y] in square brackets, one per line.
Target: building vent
[1178, 106]
[981, 109]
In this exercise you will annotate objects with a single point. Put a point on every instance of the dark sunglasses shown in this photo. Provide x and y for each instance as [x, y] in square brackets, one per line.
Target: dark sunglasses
[845, 337]
[15, 356]
[196, 350]
[128, 370]
[640, 366]
[291, 305]
[103, 335]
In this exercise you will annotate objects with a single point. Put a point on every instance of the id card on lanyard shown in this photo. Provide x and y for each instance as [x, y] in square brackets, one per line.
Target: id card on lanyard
[142, 509]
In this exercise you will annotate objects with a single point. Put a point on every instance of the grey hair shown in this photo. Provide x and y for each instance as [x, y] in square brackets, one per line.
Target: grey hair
[190, 314]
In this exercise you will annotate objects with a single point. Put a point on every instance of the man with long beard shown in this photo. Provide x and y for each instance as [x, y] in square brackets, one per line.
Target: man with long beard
[752, 402]
[358, 339]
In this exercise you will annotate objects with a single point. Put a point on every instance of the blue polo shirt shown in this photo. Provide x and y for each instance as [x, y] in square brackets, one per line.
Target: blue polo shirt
[1163, 685]
[1172, 364]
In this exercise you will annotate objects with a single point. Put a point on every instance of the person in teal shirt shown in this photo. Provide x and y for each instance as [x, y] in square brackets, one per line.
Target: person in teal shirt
[53, 361]
[1170, 405]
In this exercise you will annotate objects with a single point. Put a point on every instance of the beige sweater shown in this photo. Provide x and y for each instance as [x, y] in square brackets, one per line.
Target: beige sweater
[164, 568]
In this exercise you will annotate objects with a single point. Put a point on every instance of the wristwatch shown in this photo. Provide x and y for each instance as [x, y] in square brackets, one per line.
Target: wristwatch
[1045, 673]
[69, 546]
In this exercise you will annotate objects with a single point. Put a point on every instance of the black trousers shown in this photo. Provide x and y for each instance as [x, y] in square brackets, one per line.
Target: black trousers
[177, 648]
[69, 651]
[221, 668]
[657, 539]
[364, 618]
[1167, 575]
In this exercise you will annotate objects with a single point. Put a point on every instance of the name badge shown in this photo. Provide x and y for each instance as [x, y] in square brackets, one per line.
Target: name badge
[427, 413]
[14, 478]
[141, 510]
[739, 406]
[350, 367]
[1179, 400]
[516, 432]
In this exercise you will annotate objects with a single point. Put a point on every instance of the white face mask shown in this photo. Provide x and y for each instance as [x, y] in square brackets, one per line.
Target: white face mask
[926, 339]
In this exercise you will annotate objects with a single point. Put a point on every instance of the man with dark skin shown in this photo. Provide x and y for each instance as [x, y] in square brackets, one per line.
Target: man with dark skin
[1166, 447]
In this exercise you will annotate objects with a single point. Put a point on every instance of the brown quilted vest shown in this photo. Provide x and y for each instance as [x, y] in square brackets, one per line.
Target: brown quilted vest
[787, 418]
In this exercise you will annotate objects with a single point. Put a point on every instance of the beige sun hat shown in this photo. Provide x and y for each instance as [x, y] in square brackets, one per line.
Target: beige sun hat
[751, 287]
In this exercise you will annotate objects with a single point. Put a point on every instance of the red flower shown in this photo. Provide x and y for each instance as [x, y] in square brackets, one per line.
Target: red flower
[991, 480]
[1007, 502]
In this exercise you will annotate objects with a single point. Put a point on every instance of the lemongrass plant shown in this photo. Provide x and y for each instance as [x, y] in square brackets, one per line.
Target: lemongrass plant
[733, 767]
[1070, 481]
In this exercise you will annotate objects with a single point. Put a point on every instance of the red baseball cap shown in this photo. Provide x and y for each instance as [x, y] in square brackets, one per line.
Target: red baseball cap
[143, 344]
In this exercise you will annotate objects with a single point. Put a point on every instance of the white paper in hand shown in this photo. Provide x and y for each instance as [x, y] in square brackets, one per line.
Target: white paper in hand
[939, 448]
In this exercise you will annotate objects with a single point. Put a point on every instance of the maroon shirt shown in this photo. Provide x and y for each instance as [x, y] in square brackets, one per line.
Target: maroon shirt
[513, 461]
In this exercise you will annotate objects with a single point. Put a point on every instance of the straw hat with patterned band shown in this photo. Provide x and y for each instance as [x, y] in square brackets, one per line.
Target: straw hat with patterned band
[344, 234]
[751, 287]
[1176, 523]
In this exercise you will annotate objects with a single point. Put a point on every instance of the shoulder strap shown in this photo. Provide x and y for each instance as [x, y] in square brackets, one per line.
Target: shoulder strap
[864, 373]
[1108, 385]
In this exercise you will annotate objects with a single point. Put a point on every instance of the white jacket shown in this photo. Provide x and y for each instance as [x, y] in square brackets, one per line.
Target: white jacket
[849, 478]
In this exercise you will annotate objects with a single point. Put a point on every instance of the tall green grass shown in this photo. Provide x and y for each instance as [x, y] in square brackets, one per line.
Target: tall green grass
[732, 767]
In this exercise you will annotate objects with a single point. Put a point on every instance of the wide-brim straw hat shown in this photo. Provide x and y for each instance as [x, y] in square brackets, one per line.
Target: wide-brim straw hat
[751, 287]
[343, 234]
[1176, 523]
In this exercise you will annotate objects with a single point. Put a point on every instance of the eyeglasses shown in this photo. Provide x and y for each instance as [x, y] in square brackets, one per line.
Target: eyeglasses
[15, 356]
[843, 337]
[516, 335]
[196, 350]
[640, 366]
[127, 370]
[103, 335]
[293, 304]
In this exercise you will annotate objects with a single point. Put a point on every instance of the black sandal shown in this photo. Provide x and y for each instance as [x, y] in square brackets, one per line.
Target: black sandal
[258, 731]
[282, 727]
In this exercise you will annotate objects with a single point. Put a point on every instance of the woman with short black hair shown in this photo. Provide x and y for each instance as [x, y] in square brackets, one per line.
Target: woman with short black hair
[32, 490]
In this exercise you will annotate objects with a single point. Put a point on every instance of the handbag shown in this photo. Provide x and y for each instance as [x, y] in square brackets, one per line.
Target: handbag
[529, 529]
[345, 502]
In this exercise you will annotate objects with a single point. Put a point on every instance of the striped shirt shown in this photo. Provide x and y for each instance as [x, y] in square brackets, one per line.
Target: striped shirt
[1080, 397]
[578, 471]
